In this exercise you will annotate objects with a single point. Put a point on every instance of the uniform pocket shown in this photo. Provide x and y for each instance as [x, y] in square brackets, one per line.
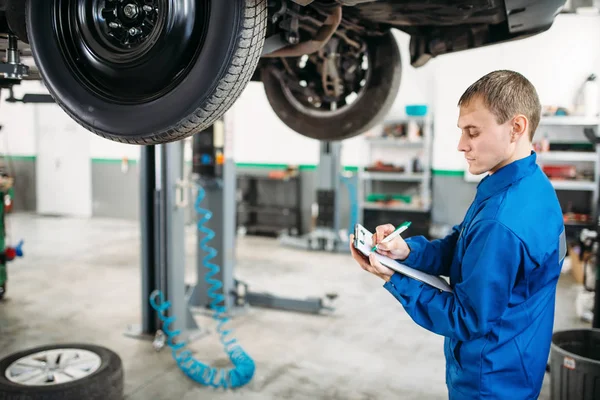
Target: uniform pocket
[453, 351]
[457, 358]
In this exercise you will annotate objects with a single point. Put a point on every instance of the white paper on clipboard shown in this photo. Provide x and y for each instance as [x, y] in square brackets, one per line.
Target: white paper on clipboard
[364, 244]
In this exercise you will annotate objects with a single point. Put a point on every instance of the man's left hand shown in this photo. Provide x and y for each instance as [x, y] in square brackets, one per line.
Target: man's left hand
[370, 264]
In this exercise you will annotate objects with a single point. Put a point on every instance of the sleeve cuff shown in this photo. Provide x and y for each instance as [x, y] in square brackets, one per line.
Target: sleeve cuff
[395, 286]
[415, 251]
[390, 286]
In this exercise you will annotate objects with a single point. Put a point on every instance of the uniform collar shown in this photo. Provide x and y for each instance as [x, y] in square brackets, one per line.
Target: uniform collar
[506, 176]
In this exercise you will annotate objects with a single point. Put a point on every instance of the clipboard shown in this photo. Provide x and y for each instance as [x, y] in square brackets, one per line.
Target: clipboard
[363, 242]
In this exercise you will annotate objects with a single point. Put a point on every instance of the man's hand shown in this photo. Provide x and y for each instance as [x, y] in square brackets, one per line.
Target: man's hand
[370, 264]
[397, 249]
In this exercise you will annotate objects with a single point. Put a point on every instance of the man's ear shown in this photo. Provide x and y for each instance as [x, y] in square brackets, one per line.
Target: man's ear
[520, 123]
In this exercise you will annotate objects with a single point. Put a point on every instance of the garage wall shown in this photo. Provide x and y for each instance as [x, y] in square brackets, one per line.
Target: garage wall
[18, 145]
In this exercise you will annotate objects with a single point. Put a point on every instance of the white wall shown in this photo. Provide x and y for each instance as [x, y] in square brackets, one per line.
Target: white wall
[17, 136]
[101, 148]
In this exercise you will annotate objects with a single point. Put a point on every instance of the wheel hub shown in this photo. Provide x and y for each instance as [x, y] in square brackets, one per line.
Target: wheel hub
[131, 51]
[127, 23]
[329, 81]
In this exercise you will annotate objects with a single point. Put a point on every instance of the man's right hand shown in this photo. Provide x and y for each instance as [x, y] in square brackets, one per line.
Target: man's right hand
[396, 249]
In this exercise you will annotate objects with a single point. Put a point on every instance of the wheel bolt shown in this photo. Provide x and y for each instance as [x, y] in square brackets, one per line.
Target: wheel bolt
[114, 25]
[148, 8]
[134, 31]
[131, 10]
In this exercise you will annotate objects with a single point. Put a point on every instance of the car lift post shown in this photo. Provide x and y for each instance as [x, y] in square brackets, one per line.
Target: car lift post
[163, 241]
[326, 235]
[218, 178]
[216, 174]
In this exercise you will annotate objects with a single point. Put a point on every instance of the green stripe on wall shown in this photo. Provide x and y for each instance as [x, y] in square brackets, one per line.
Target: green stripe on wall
[18, 158]
[111, 161]
[302, 167]
[447, 172]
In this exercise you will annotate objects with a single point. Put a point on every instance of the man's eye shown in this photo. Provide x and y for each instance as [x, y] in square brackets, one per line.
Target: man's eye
[473, 134]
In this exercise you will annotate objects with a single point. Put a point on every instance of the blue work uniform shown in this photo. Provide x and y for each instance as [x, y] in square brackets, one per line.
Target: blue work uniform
[503, 261]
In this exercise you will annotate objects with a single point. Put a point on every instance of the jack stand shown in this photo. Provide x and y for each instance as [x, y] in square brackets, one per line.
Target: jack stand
[217, 174]
[163, 244]
[326, 236]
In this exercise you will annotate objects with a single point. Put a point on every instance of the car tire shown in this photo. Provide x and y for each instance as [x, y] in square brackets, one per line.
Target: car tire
[105, 382]
[360, 116]
[146, 80]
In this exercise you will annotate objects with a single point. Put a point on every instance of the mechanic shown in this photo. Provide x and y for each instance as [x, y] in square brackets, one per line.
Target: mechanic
[503, 260]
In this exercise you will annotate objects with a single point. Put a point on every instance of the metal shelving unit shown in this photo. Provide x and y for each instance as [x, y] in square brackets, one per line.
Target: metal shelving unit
[421, 148]
[368, 205]
[575, 124]
[575, 185]
[394, 176]
[567, 156]
[569, 121]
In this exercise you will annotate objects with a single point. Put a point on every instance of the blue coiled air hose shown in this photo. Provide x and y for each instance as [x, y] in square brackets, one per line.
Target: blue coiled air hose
[244, 366]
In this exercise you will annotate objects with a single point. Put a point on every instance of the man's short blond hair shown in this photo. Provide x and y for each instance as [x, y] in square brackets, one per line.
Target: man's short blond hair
[506, 94]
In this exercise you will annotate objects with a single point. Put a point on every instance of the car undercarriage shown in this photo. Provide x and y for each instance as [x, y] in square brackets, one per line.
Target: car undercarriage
[331, 68]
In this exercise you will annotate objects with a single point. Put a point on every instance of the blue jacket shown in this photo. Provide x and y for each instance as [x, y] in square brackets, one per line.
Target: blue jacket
[503, 261]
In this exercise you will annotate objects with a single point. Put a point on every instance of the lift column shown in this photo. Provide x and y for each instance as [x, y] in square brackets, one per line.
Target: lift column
[216, 175]
[162, 227]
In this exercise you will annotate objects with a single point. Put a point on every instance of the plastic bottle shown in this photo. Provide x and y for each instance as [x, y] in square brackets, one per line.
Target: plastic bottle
[590, 96]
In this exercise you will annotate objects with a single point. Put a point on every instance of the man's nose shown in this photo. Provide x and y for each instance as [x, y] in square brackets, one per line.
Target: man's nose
[462, 144]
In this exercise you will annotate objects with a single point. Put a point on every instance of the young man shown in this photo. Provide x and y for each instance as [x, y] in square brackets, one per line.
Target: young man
[503, 260]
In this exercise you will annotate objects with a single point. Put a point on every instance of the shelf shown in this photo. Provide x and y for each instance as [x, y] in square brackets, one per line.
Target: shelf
[394, 176]
[577, 224]
[395, 142]
[573, 156]
[406, 119]
[574, 185]
[275, 210]
[569, 121]
[393, 207]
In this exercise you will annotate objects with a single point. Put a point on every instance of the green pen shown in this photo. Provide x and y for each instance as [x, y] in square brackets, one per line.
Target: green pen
[394, 234]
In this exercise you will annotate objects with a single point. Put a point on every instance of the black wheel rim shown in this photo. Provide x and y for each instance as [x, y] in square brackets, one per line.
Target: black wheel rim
[130, 51]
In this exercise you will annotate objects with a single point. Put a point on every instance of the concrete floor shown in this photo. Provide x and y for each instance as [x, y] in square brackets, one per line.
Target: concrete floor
[80, 282]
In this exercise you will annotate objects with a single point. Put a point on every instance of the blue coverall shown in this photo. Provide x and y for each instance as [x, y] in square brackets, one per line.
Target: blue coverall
[503, 261]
